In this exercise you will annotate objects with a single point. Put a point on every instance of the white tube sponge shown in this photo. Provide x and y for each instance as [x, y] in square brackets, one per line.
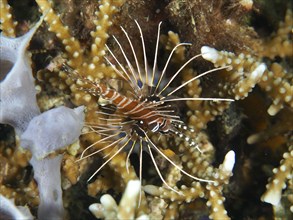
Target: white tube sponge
[17, 88]
[48, 176]
[53, 130]
[8, 210]
[46, 133]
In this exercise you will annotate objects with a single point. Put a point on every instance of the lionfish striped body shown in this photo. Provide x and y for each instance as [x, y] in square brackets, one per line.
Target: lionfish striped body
[145, 113]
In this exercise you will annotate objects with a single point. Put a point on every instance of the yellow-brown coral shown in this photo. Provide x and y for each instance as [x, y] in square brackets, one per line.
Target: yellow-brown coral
[7, 23]
[86, 55]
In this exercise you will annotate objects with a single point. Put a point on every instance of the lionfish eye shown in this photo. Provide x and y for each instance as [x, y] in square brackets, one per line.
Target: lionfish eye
[122, 134]
[139, 83]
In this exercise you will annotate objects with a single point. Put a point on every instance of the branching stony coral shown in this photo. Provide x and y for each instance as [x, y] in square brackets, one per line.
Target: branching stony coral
[277, 183]
[200, 115]
[7, 23]
[276, 81]
[212, 192]
[108, 208]
[74, 45]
